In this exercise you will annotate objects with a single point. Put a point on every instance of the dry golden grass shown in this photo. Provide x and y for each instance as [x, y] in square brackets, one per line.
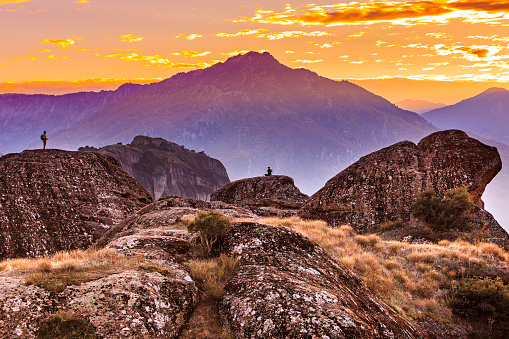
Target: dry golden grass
[415, 279]
[75, 267]
[210, 274]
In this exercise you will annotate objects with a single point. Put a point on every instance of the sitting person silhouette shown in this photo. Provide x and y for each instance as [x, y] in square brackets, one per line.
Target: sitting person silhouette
[269, 171]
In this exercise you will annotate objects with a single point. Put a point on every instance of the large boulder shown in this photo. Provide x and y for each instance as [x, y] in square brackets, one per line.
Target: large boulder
[277, 191]
[289, 287]
[53, 200]
[165, 168]
[383, 185]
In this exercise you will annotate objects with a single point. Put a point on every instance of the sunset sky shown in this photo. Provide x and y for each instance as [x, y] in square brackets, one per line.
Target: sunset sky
[53, 46]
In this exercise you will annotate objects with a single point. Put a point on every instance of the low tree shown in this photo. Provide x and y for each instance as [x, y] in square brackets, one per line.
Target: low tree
[444, 212]
[212, 226]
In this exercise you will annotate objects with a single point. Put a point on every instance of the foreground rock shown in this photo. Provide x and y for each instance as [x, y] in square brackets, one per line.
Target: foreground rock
[130, 304]
[165, 168]
[288, 287]
[275, 191]
[383, 185]
[57, 200]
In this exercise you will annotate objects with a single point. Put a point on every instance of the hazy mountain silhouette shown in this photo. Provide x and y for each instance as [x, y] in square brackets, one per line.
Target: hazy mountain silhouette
[486, 114]
[23, 117]
[251, 112]
[419, 106]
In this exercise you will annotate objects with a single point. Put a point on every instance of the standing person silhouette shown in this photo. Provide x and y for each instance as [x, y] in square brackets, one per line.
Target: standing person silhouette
[269, 171]
[44, 138]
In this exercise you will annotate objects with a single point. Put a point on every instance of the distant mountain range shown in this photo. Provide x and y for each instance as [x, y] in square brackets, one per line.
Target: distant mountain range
[251, 112]
[486, 115]
[419, 106]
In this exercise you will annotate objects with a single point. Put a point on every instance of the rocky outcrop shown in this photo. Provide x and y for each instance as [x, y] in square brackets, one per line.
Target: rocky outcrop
[165, 168]
[160, 215]
[277, 191]
[383, 185]
[288, 287]
[129, 304]
[57, 200]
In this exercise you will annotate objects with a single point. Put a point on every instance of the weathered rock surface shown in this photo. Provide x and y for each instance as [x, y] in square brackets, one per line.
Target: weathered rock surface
[165, 168]
[158, 216]
[277, 191]
[129, 304]
[57, 200]
[383, 185]
[288, 287]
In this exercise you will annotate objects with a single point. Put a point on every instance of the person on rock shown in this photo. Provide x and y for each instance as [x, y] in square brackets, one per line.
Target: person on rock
[269, 171]
[44, 138]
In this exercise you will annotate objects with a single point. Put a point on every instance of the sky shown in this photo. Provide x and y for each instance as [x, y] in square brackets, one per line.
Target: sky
[52, 46]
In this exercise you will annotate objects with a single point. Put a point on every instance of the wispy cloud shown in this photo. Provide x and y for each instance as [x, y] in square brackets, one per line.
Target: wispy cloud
[130, 38]
[156, 60]
[82, 1]
[307, 61]
[7, 2]
[62, 43]
[260, 33]
[397, 12]
[192, 53]
[188, 36]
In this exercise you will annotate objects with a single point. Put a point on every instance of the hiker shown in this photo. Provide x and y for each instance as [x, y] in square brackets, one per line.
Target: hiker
[269, 171]
[44, 138]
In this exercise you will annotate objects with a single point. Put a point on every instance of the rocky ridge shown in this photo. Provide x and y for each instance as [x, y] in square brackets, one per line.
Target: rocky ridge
[383, 185]
[63, 200]
[166, 169]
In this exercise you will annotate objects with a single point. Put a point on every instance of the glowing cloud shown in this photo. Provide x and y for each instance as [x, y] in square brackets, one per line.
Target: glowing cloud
[189, 36]
[396, 12]
[240, 33]
[82, 1]
[192, 53]
[62, 43]
[7, 2]
[307, 61]
[130, 38]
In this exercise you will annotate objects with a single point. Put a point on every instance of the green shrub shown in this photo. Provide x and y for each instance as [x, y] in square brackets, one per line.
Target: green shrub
[65, 325]
[169, 197]
[486, 304]
[212, 226]
[446, 212]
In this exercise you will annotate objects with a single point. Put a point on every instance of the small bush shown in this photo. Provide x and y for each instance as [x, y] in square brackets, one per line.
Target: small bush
[65, 325]
[169, 197]
[485, 302]
[443, 213]
[210, 274]
[212, 226]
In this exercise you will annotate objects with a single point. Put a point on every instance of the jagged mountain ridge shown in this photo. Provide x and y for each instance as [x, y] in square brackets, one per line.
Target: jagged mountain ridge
[250, 112]
[486, 114]
[165, 168]
[23, 117]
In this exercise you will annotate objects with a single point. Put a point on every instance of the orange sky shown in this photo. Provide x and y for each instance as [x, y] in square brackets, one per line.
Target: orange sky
[53, 46]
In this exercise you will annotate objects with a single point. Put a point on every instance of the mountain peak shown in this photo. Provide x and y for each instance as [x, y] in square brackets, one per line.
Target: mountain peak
[494, 90]
[253, 57]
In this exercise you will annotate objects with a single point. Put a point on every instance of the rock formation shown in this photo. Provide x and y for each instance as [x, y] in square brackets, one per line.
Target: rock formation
[288, 287]
[165, 168]
[276, 191]
[383, 185]
[133, 303]
[164, 213]
[56, 200]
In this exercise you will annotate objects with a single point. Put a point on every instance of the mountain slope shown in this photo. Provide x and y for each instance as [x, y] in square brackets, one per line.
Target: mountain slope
[23, 117]
[251, 112]
[486, 114]
[419, 106]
